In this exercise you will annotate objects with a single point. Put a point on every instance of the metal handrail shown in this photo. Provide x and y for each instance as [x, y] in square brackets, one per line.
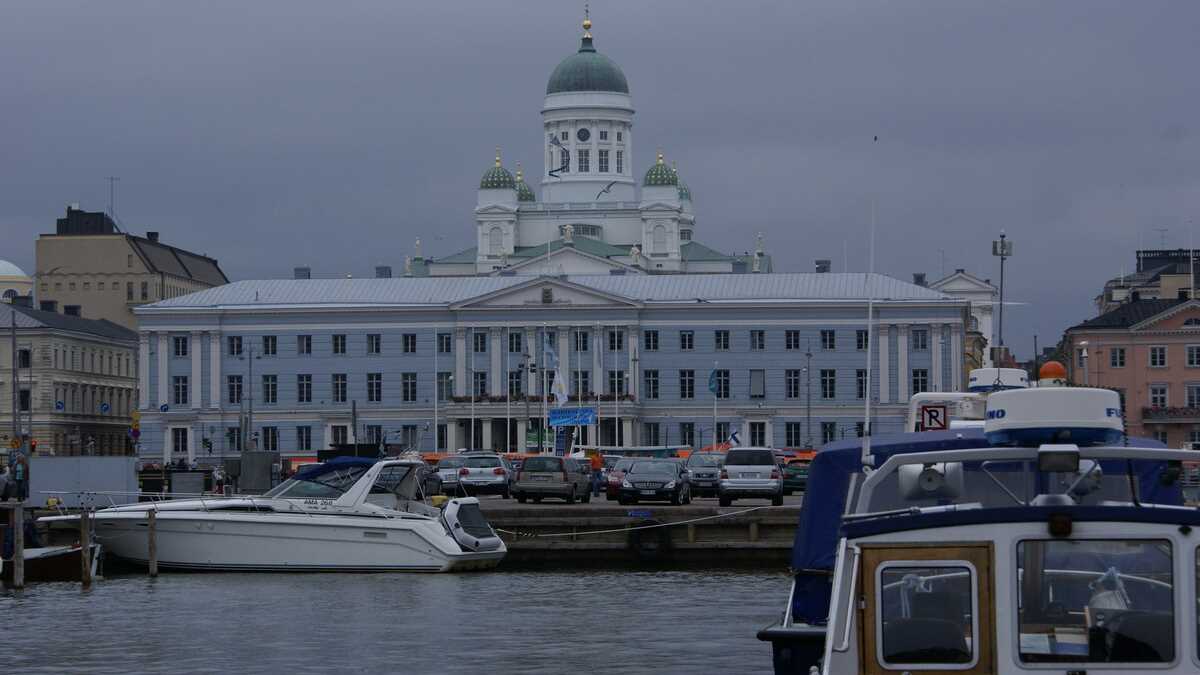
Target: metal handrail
[845, 644]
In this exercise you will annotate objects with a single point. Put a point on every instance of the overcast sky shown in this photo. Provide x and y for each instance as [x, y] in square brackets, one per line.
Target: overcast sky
[276, 133]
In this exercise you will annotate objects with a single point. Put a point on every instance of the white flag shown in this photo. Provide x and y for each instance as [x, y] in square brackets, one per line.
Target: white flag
[559, 388]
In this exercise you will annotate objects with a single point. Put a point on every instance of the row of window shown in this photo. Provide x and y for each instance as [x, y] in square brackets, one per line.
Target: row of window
[1157, 356]
[581, 342]
[584, 134]
[796, 385]
[268, 437]
[1160, 395]
[97, 361]
[115, 286]
[583, 161]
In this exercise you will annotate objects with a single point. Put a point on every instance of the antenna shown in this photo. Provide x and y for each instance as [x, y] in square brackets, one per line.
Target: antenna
[867, 459]
[1162, 235]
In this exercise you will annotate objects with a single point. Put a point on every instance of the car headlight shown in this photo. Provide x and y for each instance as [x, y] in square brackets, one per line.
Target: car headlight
[626, 484]
[669, 486]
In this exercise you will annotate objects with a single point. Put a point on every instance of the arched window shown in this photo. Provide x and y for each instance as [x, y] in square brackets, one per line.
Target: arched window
[495, 241]
[660, 239]
[9, 295]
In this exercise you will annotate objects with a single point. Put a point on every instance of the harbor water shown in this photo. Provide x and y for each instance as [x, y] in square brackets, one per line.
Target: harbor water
[594, 621]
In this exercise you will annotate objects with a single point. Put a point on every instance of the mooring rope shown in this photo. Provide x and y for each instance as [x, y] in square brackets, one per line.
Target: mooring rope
[516, 533]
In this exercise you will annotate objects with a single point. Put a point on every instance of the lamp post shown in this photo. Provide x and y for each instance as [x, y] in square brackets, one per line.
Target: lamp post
[808, 396]
[248, 433]
[1001, 248]
[1083, 355]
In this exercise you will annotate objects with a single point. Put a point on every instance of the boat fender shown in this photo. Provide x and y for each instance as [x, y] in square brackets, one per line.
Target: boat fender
[650, 544]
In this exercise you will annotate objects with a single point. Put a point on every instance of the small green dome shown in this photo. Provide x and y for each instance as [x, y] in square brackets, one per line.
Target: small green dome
[524, 192]
[684, 192]
[660, 174]
[497, 177]
[587, 70]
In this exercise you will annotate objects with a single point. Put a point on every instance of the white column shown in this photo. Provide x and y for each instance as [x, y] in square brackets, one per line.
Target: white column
[143, 370]
[460, 362]
[496, 379]
[486, 433]
[744, 434]
[191, 443]
[214, 369]
[884, 338]
[522, 429]
[626, 431]
[770, 433]
[631, 350]
[196, 381]
[451, 434]
[161, 396]
[903, 377]
[936, 381]
[956, 357]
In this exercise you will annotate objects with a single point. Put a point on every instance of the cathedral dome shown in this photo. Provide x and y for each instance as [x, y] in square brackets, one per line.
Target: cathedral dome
[524, 192]
[497, 177]
[587, 70]
[684, 192]
[660, 174]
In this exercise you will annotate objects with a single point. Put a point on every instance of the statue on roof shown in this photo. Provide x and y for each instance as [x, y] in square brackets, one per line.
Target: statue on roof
[568, 234]
[636, 254]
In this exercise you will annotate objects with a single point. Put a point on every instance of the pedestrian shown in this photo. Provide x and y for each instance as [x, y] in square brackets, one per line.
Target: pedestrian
[21, 477]
[597, 468]
[6, 485]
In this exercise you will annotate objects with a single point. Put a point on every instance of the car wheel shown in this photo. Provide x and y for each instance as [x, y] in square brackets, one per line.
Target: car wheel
[687, 495]
[622, 501]
[725, 501]
[507, 493]
[520, 498]
[777, 500]
[676, 498]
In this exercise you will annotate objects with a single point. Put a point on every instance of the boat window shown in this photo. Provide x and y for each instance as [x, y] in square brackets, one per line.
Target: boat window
[389, 479]
[927, 615]
[329, 484]
[1095, 601]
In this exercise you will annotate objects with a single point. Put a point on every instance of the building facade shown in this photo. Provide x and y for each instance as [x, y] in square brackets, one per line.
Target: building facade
[599, 209]
[89, 268]
[1149, 352]
[983, 297]
[75, 380]
[1159, 274]
[444, 363]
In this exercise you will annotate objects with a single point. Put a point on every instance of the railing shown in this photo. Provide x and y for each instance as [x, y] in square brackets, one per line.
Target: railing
[1171, 413]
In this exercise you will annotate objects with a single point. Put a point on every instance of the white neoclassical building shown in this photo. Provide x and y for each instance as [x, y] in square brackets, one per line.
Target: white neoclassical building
[598, 213]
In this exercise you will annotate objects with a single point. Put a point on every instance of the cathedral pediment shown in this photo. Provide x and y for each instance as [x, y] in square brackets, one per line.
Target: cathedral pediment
[570, 260]
[495, 210]
[546, 291]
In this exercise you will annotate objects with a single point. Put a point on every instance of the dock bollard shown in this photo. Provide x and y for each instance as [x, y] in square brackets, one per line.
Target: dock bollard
[18, 521]
[152, 543]
[85, 549]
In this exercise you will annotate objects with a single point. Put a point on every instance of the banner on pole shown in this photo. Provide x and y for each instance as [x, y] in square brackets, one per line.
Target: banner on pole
[572, 417]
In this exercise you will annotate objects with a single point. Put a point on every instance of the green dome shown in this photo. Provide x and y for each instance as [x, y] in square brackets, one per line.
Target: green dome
[524, 192]
[660, 174]
[587, 70]
[684, 192]
[497, 178]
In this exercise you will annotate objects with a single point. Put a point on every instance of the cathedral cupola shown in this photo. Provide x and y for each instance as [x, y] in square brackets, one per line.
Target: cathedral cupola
[497, 177]
[524, 192]
[660, 174]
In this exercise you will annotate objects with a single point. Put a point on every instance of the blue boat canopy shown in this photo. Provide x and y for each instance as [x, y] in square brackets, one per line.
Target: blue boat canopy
[313, 470]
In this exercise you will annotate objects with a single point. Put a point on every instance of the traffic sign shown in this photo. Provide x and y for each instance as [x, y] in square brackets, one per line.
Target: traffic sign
[104, 408]
[163, 408]
[934, 418]
[60, 406]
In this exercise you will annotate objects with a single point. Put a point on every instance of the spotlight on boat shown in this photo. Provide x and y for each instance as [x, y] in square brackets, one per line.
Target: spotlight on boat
[1058, 458]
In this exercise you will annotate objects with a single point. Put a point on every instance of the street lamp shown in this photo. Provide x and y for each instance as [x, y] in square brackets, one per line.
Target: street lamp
[1001, 248]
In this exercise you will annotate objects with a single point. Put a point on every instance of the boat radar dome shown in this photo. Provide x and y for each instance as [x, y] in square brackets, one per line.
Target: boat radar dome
[1052, 374]
[1033, 417]
[996, 379]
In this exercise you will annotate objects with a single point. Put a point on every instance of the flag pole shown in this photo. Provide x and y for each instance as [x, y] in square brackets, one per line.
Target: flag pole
[545, 391]
[507, 389]
[714, 393]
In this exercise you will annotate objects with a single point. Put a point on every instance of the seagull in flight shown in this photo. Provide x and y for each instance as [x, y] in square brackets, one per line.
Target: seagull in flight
[606, 190]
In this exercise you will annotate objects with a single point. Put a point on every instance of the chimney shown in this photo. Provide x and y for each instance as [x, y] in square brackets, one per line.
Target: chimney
[152, 236]
[383, 271]
[823, 266]
[301, 272]
[919, 278]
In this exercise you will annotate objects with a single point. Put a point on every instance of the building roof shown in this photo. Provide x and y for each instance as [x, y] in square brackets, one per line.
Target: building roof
[1128, 314]
[442, 291]
[161, 257]
[587, 70]
[36, 318]
[8, 269]
[694, 251]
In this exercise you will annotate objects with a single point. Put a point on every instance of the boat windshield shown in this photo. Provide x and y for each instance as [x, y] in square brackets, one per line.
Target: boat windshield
[329, 484]
[995, 484]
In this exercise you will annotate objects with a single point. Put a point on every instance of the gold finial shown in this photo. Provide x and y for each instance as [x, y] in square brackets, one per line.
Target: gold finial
[519, 171]
[497, 155]
[660, 157]
[587, 21]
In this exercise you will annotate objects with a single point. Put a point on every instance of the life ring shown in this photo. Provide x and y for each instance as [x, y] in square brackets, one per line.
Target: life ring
[652, 544]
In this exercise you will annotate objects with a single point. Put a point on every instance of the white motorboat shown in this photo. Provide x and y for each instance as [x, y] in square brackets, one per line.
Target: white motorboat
[345, 515]
[1047, 541]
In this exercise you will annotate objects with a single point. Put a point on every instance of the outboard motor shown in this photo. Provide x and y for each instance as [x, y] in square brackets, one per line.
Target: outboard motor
[466, 523]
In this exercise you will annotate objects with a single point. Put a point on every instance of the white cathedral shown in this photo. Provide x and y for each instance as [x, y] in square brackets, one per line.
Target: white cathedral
[594, 215]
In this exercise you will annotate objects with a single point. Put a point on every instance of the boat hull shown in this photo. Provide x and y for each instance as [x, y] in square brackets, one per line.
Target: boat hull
[288, 543]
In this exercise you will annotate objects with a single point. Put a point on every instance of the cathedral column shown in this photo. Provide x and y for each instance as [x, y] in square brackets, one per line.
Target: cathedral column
[531, 348]
[564, 356]
[485, 442]
[451, 434]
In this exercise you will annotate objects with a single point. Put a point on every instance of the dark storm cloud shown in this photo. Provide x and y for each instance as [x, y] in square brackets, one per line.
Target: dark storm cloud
[272, 133]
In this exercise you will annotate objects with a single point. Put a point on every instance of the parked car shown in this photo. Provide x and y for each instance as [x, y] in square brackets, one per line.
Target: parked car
[795, 476]
[485, 473]
[655, 480]
[704, 472]
[559, 477]
[447, 468]
[612, 481]
[751, 473]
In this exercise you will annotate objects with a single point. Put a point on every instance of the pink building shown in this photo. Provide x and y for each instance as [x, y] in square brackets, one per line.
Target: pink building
[1149, 351]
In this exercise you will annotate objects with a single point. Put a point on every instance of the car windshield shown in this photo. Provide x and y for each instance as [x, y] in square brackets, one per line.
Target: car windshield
[704, 460]
[450, 463]
[750, 458]
[329, 484]
[482, 462]
[543, 464]
[653, 467]
[623, 465]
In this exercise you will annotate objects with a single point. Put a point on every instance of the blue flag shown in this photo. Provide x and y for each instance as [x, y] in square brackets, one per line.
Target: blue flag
[712, 381]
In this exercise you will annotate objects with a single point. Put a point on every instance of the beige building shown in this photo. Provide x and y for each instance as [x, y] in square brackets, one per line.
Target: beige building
[76, 378]
[89, 268]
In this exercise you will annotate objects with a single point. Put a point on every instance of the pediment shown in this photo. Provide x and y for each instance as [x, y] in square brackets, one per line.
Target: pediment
[659, 206]
[533, 293]
[569, 260]
[960, 282]
[1184, 316]
[495, 210]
